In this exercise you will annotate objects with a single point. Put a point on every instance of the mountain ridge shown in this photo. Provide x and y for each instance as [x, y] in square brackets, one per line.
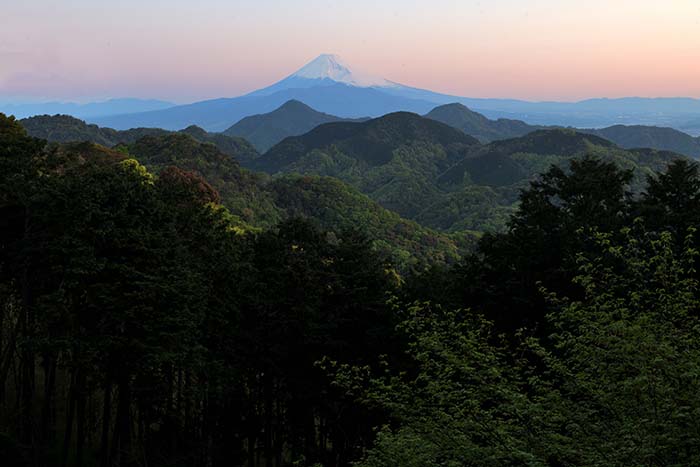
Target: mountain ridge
[434, 177]
[290, 119]
[626, 136]
[87, 110]
[331, 86]
[66, 129]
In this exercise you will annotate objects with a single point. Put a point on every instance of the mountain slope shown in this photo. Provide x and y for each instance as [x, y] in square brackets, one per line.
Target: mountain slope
[330, 85]
[513, 162]
[635, 136]
[64, 129]
[430, 175]
[219, 114]
[261, 202]
[393, 159]
[240, 189]
[291, 119]
[89, 110]
[674, 112]
[335, 204]
[422, 169]
[639, 136]
[478, 126]
[326, 69]
[371, 142]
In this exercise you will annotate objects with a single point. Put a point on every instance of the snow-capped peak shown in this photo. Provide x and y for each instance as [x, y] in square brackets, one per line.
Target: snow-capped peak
[332, 67]
[325, 66]
[324, 70]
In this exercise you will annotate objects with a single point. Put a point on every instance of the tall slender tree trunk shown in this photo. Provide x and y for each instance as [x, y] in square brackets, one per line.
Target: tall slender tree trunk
[48, 411]
[122, 429]
[81, 402]
[309, 421]
[251, 421]
[9, 357]
[69, 419]
[3, 351]
[27, 354]
[267, 439]
[27, 380]
[279, 439]
[106, 422]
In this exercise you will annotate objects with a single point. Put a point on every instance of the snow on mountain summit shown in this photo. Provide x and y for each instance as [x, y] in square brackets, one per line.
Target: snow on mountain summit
[332, 67]
[325, 66]
[326, 70]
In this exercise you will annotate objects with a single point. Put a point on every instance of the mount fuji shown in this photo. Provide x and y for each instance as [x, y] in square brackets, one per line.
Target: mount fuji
[331, 86]
[326, 83]
[325, 70]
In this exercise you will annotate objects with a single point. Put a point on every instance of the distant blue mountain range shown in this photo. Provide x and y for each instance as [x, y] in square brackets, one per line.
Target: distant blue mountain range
[337, 99]
[329, 85]
[86, 111]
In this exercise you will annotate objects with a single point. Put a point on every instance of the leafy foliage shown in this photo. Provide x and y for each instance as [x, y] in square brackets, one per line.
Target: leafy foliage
[66, 129]
[425, 172]
[147, 314]
[241, 191]
[615, 384]
[143, 323]
[334, 204]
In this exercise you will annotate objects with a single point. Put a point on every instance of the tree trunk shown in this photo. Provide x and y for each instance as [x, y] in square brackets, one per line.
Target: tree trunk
[81, 401]
[48, 412]
[122, 429]
[8, 357]
[106, 420]
[27, 354]
[267, 439]
[69, 419]
[27, 380]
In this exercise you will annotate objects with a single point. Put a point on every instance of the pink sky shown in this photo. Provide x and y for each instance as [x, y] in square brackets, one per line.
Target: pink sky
[183, 51]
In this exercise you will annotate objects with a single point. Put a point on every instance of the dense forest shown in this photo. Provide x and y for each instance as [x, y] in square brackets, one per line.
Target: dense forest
[160, 305]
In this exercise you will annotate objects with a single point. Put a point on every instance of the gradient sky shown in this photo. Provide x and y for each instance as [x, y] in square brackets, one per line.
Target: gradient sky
[188, 50]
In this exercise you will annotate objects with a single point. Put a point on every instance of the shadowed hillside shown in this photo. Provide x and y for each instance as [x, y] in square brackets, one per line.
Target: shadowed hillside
[477, 125]
[291, 119]
[628, 137]
[426, 172]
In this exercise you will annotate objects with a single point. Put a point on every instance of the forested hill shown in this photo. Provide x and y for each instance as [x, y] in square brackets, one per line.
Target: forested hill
[477, 125]
[431, 173]
[371, 143]
[639, 136]
[143, 323]
[421, 169]
[295, 118]
[257, 202]
[291, 119]
[63, 129]
[625, 136]
[261, 202]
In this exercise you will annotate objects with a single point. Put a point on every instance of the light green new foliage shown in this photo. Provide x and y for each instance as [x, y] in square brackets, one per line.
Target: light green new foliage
[628, 355]
[616, 384]
[465, 406]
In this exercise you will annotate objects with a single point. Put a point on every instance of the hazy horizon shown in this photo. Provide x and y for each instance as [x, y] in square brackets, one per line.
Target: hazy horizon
[537, 50]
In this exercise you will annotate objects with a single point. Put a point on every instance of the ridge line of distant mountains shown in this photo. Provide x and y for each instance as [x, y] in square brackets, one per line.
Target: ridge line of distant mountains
[421, 169]
[295, 118]
[329, 85]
